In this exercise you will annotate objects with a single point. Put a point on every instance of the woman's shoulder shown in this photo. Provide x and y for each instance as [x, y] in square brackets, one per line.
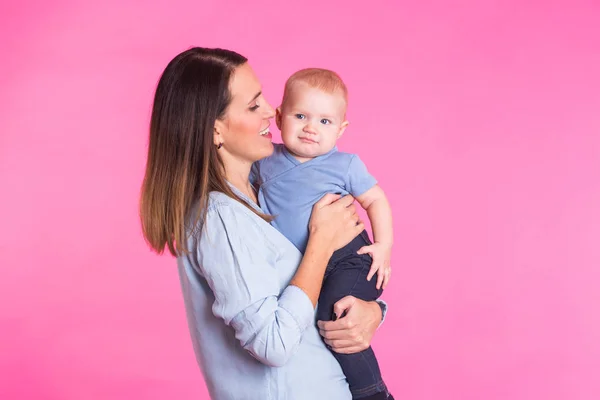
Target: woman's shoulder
[223, 210]
[219, 209]
[226, 214]
[219, 201]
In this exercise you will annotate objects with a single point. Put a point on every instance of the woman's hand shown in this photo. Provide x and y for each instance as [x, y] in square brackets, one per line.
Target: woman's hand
[334, 221]
[333, 224]
[353, 332]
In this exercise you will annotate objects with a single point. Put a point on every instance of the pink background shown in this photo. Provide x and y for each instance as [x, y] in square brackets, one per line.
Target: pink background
[481, 120]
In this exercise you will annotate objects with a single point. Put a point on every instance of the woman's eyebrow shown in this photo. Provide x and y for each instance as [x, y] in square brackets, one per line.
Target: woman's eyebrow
[255, 97]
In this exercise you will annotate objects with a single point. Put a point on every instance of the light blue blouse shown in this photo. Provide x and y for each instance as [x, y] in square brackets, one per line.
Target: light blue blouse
[253, 334]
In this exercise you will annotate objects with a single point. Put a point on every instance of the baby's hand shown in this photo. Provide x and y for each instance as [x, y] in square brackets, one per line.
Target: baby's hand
[381, 254]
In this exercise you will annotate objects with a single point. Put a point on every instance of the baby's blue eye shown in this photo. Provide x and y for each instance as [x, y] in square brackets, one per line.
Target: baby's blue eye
[325, 121]
[300, 116]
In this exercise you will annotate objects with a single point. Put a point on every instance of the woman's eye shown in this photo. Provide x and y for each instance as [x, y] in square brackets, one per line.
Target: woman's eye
[300, 116]
[325, 121]
[254, 108]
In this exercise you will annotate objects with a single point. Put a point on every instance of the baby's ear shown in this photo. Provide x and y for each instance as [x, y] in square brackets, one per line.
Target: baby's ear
[278, 117]
[343, 128]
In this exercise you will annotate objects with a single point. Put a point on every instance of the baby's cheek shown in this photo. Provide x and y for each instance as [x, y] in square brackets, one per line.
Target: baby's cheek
[287, 128]
[287, 133]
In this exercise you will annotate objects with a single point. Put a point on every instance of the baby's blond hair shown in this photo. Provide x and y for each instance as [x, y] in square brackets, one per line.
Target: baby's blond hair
[322, 79]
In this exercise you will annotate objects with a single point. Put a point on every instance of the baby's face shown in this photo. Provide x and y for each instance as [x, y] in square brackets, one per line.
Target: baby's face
[311, 121]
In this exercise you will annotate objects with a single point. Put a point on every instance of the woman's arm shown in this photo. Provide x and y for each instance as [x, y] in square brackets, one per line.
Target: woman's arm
[333, 224]
[240, 268]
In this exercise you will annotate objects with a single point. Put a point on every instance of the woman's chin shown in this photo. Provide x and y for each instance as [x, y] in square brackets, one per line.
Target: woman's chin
[267, 151]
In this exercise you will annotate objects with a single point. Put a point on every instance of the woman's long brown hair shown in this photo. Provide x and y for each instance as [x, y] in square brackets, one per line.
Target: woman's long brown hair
[183, 164]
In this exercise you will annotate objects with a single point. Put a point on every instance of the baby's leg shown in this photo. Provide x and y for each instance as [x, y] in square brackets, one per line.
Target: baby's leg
[346, 275]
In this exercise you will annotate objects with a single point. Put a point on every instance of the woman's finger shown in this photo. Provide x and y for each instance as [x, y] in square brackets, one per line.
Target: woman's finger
[327, 199]
[340, 343]
[345, 201]
[330, 326]
[334, 335]
[351, 210]
[360, 226]
[349, 350]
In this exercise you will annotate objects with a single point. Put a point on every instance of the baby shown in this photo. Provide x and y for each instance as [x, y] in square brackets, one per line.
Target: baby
[312, 117]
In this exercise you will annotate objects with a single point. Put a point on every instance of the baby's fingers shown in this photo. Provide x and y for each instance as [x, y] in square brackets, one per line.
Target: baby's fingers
[380, 276]
[374, 268]
[365, 250]
[387, 274]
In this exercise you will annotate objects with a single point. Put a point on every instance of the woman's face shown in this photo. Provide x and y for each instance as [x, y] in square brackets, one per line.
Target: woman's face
[244, 131]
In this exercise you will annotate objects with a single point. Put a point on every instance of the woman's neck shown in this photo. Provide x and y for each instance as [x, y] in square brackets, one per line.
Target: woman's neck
[238, 177]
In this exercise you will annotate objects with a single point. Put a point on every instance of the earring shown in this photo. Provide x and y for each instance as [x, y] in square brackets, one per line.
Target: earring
[220, 145]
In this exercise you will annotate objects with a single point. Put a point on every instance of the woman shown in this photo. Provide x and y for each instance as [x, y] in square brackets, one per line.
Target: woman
[250, 295]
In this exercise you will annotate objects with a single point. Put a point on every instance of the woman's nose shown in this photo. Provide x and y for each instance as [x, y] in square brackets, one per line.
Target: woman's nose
[269, 111]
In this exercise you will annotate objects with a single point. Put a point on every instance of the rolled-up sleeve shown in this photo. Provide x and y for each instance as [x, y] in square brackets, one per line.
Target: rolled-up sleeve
[239, 264]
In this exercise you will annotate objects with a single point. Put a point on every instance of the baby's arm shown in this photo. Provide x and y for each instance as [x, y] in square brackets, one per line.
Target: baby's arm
[379, 211]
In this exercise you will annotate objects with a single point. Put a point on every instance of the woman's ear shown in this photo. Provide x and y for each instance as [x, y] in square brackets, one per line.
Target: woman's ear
[218, 136]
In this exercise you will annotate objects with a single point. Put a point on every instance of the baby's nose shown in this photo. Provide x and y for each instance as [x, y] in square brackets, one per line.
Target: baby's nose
[308, 128]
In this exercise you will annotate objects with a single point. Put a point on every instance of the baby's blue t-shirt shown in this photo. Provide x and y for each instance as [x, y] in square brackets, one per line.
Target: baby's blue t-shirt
[288, 189]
